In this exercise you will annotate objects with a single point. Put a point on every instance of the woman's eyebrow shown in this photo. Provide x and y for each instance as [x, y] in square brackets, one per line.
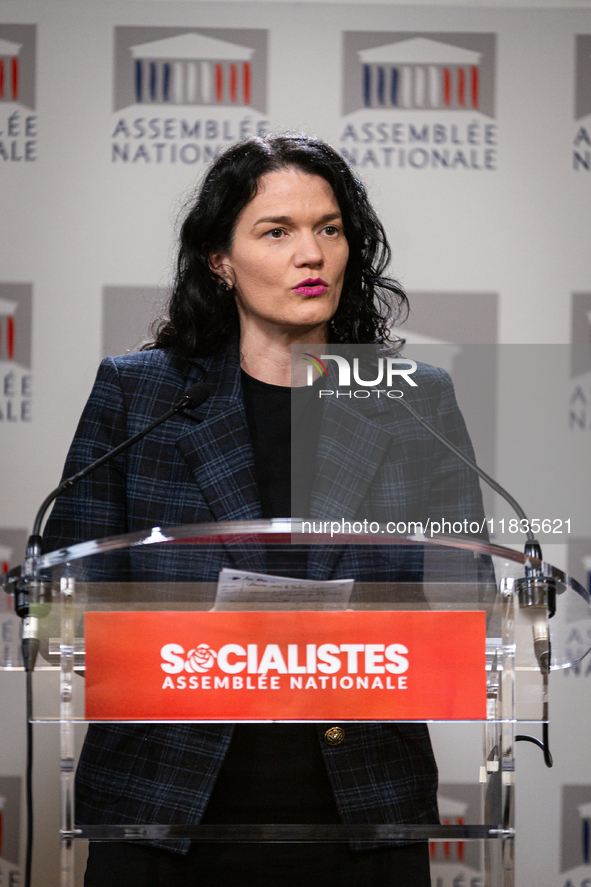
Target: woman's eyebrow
[283, 220]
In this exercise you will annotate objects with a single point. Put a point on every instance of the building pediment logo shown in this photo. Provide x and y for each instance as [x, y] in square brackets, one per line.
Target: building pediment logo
[427, 72]
[582, 75]
[15, 324]
[17, 64]
[12, 548]
[199, 67]
[576, 827]
[458, 804]
[10, 790]
[15, 352]
[580, 334]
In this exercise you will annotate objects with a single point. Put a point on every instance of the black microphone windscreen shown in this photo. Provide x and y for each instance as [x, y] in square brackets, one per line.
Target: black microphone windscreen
[196, 394]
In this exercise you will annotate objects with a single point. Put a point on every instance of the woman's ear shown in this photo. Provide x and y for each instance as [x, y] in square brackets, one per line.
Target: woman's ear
[222, 270]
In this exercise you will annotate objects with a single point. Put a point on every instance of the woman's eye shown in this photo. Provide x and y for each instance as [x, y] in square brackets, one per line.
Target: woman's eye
[276, 233]
[331, 230]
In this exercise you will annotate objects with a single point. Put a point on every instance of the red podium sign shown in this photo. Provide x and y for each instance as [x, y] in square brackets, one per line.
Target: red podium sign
[218, 666]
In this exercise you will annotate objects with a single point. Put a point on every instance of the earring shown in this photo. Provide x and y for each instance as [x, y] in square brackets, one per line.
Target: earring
[223, 285]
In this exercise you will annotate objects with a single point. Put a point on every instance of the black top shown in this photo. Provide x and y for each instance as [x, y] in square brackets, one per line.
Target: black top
[278, 416]
[276, 772]
[268, 413]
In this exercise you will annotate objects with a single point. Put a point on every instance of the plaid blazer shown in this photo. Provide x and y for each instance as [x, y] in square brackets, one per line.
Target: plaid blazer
[373, 460]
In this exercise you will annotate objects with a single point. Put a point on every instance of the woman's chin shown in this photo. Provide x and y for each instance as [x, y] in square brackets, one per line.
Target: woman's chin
[306, 328]
[292, 327]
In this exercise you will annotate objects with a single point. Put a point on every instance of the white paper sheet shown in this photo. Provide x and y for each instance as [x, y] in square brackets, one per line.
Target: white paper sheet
[239, 589]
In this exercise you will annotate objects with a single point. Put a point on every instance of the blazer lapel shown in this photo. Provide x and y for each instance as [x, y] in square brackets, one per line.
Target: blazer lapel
[219, 454]
[352, 445]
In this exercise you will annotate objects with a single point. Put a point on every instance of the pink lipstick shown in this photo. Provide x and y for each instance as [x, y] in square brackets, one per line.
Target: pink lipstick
[311, 286]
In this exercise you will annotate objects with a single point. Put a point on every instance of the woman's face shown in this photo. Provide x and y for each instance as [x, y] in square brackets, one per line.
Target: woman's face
[288, 257]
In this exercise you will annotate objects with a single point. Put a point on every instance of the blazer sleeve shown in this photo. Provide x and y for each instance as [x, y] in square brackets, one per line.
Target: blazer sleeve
[96, 506]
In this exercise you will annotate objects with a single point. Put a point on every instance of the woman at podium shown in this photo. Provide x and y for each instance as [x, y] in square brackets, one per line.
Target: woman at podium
[280, 247]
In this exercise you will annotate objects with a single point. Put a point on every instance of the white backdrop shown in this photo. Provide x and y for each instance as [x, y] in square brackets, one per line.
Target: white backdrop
[485, 195]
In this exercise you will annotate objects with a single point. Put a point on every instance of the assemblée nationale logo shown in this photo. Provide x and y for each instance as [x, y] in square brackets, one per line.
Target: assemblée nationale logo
[193, 92]
[457, 861]
[15, 352]
[419, 100]
[12, 549]
[18, 126]
[578, 638]
[576, 835]
[579, 406]
[582, 138]
[10, 794]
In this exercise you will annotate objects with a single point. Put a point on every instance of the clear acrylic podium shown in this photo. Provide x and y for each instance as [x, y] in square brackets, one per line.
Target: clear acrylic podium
[175, 571]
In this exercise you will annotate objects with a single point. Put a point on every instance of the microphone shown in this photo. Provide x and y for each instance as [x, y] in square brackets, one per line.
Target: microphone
[193, 397]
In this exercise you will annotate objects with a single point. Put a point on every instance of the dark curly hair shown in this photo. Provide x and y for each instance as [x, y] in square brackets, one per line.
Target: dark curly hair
[202, 317]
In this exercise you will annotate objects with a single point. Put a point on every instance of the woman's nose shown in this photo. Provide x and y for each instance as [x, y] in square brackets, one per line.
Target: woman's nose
[308, 250]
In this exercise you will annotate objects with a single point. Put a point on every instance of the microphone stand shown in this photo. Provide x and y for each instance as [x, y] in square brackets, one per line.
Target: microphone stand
[534, 589]
[24, 581]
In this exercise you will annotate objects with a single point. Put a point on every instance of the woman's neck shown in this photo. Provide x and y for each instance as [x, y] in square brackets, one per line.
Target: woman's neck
[266, 356]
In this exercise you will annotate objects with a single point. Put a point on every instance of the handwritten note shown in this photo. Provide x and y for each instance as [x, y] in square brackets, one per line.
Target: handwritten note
[239, 589]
